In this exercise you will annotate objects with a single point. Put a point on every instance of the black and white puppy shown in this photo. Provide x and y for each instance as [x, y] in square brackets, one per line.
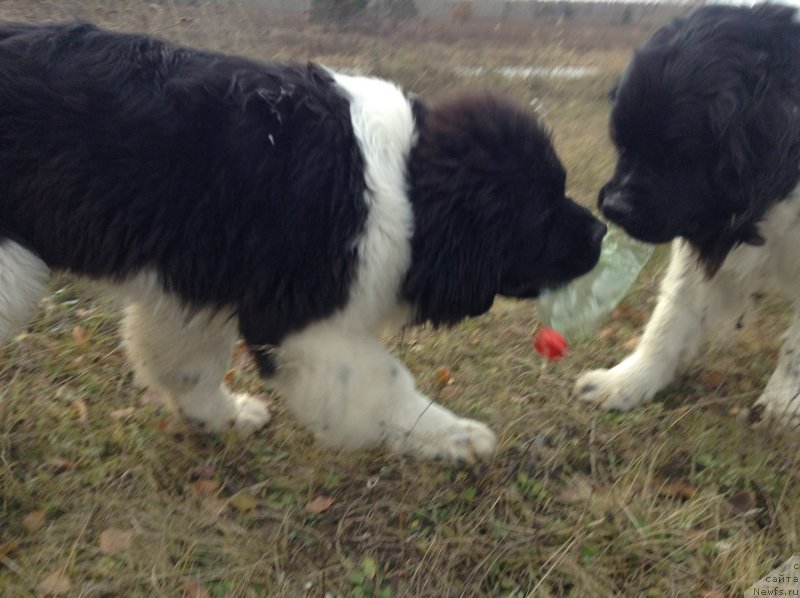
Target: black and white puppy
[706, 121]
[296, 207]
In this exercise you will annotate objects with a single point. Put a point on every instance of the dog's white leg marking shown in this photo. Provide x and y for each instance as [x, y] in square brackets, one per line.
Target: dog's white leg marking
[689, 306]
[23, 279]
[185, 355]
[353, 394]
[781, 397]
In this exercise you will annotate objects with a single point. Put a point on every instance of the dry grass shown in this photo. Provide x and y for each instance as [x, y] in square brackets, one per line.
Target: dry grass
[679, 498]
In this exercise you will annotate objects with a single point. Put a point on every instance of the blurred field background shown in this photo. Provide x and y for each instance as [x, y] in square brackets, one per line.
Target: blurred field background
[102, 495]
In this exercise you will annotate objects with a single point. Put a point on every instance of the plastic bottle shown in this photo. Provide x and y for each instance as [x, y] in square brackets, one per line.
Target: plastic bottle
[576, 309]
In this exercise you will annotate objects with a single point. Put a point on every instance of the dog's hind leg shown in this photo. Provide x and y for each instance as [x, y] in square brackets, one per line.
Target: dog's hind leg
[23, 278]
[185, 355]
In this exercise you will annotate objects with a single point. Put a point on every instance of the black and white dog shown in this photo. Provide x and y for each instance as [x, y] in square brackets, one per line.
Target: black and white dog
[706, 120]
[296, 207]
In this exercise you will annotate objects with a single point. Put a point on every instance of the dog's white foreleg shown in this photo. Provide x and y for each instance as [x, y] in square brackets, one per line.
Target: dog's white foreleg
[689, 307]
[353, 394]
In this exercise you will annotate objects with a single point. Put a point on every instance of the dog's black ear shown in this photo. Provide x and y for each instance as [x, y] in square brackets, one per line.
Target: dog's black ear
[725, 117]
[478, 157]
[456, 259]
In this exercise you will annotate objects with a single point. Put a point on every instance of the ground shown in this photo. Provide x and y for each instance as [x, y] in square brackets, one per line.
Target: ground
[102, 495]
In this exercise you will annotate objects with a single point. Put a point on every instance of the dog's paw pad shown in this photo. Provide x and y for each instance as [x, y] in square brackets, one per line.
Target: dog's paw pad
[252, 414]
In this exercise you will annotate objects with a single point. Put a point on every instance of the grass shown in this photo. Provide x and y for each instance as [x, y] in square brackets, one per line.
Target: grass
[678, 498]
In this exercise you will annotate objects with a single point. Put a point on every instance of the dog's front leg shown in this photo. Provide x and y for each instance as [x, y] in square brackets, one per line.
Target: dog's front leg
[353, 394]
[689, 307]
[780, 401]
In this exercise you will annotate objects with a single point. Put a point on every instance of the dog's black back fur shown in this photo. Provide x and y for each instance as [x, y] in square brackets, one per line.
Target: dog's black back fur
[707, 121]
[129, 153]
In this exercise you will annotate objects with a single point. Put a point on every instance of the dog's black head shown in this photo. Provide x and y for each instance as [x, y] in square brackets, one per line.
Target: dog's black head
[490, 214]
[706, 121]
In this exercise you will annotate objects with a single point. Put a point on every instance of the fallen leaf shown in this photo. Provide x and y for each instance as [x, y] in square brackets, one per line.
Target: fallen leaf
[61, 465]
[243, 502]
[444, 376]
[229, 376]
[122, 414]
[34, 521]
[202, 472]
[682, 490]
[55, 584]
[713, 379]
[205, 488]
[606, 332]
[319, 504]
[192, 589]
[8, 547]
[631, 343]
[79, 335]
[113, 540]
[83, 411]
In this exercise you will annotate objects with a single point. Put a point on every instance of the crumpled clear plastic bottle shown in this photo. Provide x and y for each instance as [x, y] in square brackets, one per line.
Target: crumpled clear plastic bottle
[576, 309]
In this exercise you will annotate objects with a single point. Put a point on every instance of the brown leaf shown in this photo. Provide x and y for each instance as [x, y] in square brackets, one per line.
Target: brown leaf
[205, 488]
[202, 472]
[631, 343]
[113, 540]
[319, 504]
[83, 411]
[59, 466]
[713, 379]
[743, 501]
[56, 583]
[34, 521]
[7, 548]
[79, 335]
[606, 332]
[229, 376]
[122, 414]
[682, 490]
[444, 376]
[192, 589]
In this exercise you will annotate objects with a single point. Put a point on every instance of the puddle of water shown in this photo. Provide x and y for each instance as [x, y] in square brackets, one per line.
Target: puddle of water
[529, 72]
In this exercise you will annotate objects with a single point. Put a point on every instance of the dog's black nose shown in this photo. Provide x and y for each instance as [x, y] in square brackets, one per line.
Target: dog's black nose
[598, 232]
[615, 206]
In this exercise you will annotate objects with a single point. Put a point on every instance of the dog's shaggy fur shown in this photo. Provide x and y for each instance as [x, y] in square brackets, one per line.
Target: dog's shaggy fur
[706, 120]
[296, 207]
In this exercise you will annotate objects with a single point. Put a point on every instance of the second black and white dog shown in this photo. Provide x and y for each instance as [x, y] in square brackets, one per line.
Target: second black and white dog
[296, 207]
[706, 120]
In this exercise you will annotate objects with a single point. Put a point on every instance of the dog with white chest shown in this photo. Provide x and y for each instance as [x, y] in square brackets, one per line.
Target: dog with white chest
[706, 121]
[295, 207]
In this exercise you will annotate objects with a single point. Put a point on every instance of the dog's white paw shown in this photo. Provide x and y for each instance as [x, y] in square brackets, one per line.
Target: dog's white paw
[617, 389]
[251, 414]
[464, 441]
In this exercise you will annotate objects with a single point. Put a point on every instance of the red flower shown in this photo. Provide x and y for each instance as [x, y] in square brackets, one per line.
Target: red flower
[550, 344]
